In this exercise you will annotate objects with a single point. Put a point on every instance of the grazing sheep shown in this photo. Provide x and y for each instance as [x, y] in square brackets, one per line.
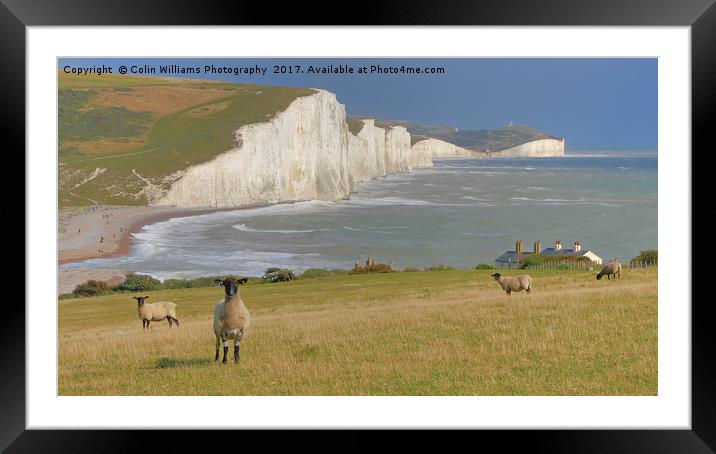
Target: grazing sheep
[610, 269]
[231, 318]
[156, 312]
[514, 283]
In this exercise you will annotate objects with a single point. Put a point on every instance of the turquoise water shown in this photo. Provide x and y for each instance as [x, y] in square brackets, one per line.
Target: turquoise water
[461, 212]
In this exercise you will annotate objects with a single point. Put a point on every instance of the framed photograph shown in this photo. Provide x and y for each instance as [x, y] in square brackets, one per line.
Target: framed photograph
[453, 222]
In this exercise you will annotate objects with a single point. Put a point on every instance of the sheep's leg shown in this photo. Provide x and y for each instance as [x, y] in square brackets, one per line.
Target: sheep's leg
[226, 349]
[218, 344]
[170, 321]
[144, 324]
[148, 321]
[236, 350]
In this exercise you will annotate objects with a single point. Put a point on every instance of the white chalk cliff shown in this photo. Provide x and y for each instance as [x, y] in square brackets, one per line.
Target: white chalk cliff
[541, 148]
[307, 152]
[425, 150]
[304, 153]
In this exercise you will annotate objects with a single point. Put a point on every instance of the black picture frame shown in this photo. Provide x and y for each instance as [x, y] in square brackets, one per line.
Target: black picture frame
[700, 15]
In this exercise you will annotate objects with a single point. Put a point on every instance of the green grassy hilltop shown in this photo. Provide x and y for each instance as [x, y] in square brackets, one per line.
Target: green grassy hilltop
[422, 333]
[119, 135]
[478, 140]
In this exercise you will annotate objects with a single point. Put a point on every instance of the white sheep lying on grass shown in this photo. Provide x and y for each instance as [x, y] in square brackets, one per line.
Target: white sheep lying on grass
[156, 312]
[610, 269]
[231, 318]
[514, 283]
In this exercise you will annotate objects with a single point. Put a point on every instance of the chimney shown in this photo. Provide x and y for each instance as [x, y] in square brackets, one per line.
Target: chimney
[518, 248]
[557, 245]
[538, 247]
[577, 246]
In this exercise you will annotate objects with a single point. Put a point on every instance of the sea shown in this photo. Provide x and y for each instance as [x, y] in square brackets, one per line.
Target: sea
[459, 213]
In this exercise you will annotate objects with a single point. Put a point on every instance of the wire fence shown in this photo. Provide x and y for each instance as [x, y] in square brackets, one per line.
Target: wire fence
[584, 265]
[642, 264]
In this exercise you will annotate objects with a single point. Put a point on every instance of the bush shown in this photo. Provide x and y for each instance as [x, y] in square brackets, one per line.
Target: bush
[92, 288]
[178, 283]
[313, 273]
[651, 255]
[411, 269]
[440, 267]
[189, 283]
[532, 260]
[485, 266]
[536, 259]
[374, 268]
[279, 275]
[139, 283]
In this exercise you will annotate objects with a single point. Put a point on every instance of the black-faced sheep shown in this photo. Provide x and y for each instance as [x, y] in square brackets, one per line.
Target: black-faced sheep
[156, 312]
[514, 283]
[231, 318]
[610, 269]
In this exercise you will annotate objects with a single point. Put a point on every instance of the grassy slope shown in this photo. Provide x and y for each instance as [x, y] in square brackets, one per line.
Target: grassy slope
[107, 81]
[355, 126]
[111, 129]
[494, 139]
[426, 333]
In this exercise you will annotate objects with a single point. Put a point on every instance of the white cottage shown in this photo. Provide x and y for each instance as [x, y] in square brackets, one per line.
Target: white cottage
[576, 251]
[511, 259]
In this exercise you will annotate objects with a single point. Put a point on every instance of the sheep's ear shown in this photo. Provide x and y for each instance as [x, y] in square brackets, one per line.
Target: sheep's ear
[136, 298]
[146, 297]
[243, 280]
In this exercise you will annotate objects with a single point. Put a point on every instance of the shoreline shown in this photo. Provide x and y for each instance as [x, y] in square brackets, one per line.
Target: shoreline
[116, 225]
[79, 231]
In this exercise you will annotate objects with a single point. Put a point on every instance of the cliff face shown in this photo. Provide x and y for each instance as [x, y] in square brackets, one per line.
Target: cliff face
[379, 140]
[425, 150]
[304, 153]
[307, 152]
[366, 154]
[300, 154]
[397, 150]
[542, 148]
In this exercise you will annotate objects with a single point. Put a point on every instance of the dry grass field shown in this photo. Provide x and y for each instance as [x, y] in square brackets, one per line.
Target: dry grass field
[421, 333]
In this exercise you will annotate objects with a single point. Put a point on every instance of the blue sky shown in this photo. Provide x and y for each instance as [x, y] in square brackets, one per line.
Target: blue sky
[596, 104]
